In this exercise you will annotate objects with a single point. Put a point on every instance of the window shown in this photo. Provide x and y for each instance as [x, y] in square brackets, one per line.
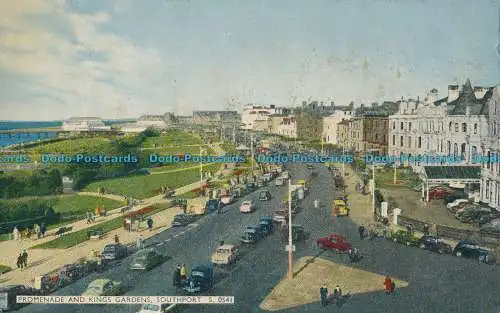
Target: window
[474, 151]
[402, 125]
[419, 142]
[494, 128]
[393, 125]
[441, 147]
[409, 126]
[487, 189]
[393, 140]
[449, 148]
[456, 127]
[455, 149]
[401, 141]
[462, 151]
[409, 142]
[464, 127]
[488, 164]
[449, 127]
[475, 128]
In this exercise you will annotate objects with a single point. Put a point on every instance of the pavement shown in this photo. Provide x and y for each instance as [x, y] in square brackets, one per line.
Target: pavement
[436, 283]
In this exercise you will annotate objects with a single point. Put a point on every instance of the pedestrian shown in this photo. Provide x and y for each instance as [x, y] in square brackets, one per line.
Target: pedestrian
[43, 230]
[177, 276]
[117, 239]
[128, 223]
[393, 287]
[139, 242]
[388, 285]
[20, 261]
[361, 231]
[124, 224]
[89, 218]
[25, 258]
[426, 230]
[150, 224]
[183, 272]
[337, 295]
[323, 292]
[16, 234]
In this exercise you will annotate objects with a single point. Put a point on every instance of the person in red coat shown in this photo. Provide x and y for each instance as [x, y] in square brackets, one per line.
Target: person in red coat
[388, 285]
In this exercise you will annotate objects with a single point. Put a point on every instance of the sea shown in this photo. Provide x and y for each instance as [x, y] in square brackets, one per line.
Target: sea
[16, 138]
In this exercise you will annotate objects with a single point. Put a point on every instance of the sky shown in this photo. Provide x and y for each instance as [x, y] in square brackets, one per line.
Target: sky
[125, 58]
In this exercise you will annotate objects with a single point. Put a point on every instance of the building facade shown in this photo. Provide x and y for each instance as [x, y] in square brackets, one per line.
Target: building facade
[255, 117]
[453, 125]
[375, 133]
[216, 118]
[490, 172]
[330, 125]
[84, 124]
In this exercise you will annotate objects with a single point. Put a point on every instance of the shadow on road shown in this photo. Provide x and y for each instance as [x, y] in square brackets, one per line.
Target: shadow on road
[308, 262]
[41, 261]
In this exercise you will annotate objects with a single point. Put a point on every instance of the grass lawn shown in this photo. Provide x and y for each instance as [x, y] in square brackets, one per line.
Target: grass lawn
[229, 148]
[4, 269]
[80, 236]
[73, 146]
[175, 167]
[145, 186]
[67, 204]
[172, 138]
[180, 149]
[385, 177]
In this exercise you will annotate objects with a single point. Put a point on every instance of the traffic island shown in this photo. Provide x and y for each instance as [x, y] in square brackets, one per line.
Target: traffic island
[311, 273]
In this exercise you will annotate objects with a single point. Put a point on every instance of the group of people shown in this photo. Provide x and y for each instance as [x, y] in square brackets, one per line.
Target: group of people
[90, 217]
[38, 230]
[22, 260]
[180, 275]
[389, 285]
[127, 224]
[337, 295]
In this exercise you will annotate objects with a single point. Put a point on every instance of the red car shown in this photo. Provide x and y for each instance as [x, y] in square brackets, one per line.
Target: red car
[334, 242]
[438, 193]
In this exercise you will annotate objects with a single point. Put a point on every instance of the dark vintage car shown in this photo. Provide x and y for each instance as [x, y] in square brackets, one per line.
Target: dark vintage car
[404, 237]
[266, 226]
[298, 234]
[251, 235]
[146, 259]
[435, 244]
[181, 220]
[114, 251]
[472, 251]
[213, 205]
[95, 233]
[9, 293]
[201, 279]
[264, 195]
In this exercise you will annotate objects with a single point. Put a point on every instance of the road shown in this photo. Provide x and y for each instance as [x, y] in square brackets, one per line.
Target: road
[436, 283]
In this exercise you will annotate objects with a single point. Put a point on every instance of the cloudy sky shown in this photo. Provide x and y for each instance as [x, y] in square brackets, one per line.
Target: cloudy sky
[123, 58]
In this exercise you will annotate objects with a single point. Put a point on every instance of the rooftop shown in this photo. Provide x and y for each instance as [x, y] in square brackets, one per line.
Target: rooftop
[453, 172]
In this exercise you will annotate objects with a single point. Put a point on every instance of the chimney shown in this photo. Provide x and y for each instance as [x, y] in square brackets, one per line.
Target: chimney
[453, 92]
[467, 110]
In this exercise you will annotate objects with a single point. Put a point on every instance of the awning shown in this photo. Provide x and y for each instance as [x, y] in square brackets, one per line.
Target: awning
[447, 174]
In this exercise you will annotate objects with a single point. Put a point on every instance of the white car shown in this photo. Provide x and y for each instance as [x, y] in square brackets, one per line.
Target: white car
[227, 199]
[279, 181]
[456, 202]
[285, 175]
[247, 207]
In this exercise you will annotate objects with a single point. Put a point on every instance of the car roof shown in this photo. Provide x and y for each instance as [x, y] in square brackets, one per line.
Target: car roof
[247, 202]
[112, 245]
[100, 282]
[226, 247]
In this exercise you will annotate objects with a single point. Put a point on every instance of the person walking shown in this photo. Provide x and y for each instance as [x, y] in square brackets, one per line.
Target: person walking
[25, 258]
[323, 292]
[337, 295]
[388, 285]
[150, 223]
[20, 261]
[89, 217]
[177, 276]
[361, 231]
[139, 242]
[16, 234]
[183, 272]
[426, 230]
[117, 239]
[43, 230]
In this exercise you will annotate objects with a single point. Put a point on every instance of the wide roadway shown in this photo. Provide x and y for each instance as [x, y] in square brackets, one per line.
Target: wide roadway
[436, 283]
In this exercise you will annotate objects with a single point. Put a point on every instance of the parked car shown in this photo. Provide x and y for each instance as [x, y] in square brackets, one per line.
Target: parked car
[472, 251]
[404, 237]
[285, 175]
[114, 251]
[281, 215]
[298, 234]
[212, 205]
[267, 177]
[227, 199]
[279, 181]
[377, 230]
[455, 196]
[492, 226]
[438, 193]
[103, 287]
[181, 220]
[468, 216]
[147, 259]
[225, 255]
[435, 244]
[334, 242]
[266, 226]
[9, 293]
[251, 235]
[486, 218]
[456, 202]
[247, 207]
[201, 279]
[261, 182]
[264, 195]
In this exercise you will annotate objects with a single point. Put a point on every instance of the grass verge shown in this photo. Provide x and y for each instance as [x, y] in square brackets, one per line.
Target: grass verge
[4, 269]
[80, 236]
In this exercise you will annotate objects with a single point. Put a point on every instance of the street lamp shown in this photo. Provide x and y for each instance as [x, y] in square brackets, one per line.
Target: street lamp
[201, 167]
[373, 188]
[291, 188]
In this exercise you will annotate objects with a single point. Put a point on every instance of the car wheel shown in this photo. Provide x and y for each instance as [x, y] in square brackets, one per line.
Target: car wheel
[458, 253]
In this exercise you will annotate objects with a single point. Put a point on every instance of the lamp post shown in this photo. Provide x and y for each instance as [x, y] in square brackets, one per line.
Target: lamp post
[373, 188]
[343, 163]
[291, 188]
[201, 167]
[251, 151]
